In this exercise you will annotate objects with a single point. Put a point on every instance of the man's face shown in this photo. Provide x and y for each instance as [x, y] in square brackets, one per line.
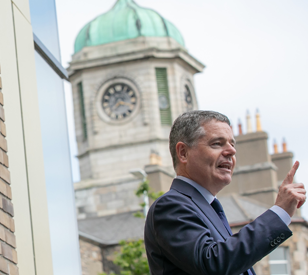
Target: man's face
[212, 160]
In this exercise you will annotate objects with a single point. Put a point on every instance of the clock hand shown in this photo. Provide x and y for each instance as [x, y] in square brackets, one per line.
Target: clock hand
[125, 103]
[116, 105]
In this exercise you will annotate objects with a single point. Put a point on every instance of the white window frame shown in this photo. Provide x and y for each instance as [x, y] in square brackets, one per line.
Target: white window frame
[282, 261]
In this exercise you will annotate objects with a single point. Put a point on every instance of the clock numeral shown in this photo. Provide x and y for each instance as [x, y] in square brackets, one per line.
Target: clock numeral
[119, 116]
[111, 91]
[113, 115]
[105, 104]
[125, 89]
[108, 111]
[130, 92]
[106, 97]
[133, 99]
[118, 88]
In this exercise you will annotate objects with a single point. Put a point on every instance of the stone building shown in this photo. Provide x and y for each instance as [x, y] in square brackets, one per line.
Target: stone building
[131, 77]
[253, 190]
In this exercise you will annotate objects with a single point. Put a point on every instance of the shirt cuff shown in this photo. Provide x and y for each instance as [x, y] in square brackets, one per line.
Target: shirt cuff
[282, 214]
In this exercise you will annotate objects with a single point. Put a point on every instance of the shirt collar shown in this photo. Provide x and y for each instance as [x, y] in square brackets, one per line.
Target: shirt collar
[204, 192]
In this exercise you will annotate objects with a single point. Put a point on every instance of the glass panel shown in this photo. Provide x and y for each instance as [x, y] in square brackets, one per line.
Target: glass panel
[278, 254]
[60, 193]
[279, 269]
[44, 24]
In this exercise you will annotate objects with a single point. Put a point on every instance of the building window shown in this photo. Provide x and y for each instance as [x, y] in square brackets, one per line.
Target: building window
[163, 96]
[82, 111]
[279, 261]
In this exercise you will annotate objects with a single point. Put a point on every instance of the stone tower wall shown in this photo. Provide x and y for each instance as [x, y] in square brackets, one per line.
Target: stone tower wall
[113, 148]
[144, 128]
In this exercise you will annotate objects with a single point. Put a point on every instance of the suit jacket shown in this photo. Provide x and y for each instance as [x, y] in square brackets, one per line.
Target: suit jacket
[184, 235]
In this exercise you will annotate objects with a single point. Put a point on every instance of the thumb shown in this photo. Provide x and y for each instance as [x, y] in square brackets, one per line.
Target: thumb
[290, 176]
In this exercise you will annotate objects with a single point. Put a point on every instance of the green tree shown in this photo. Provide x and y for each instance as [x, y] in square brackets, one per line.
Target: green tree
[132, 258]
[144, 188]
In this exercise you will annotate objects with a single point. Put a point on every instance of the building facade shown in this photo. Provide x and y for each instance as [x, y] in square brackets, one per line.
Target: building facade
[131, 77]
[42, 193]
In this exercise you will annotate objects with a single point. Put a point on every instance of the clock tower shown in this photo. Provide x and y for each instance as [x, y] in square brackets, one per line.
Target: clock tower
[131, 77]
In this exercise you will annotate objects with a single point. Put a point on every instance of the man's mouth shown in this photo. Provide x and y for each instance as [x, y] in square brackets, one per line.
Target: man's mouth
[225, 165]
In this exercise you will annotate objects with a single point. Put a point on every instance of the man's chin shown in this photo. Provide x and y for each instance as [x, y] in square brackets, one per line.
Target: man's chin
[226, 181]
[224, 176]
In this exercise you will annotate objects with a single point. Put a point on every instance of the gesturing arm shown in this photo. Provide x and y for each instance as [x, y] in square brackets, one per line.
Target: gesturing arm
[191, 242]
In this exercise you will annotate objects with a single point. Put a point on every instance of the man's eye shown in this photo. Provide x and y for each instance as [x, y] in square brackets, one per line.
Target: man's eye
[216, 143]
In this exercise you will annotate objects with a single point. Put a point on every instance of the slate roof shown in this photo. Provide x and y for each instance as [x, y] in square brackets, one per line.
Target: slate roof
[239, 209]
[109, 230]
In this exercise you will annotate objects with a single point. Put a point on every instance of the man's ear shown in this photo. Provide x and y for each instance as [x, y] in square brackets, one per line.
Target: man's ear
[181, 152]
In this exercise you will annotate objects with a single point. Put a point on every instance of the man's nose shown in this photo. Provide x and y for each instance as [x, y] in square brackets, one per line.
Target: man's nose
[229, 150]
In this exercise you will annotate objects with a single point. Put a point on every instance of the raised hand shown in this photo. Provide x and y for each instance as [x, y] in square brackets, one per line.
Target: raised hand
[291, 195]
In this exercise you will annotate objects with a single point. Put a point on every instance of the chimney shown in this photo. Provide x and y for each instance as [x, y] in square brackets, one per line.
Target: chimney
[275, 147]
[155, 158]
[248, 123]
[258, 121]
[240, 130]
[284, 145]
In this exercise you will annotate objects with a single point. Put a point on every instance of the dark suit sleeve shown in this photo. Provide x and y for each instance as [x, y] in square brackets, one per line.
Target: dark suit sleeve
[187, 239]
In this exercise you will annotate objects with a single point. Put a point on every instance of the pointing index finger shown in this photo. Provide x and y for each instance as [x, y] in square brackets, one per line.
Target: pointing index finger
[290, 175]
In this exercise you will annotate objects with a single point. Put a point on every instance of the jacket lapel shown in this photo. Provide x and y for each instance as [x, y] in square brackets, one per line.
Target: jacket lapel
[188, 190]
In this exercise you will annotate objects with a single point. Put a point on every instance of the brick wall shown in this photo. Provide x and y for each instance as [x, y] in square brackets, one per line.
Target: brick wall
[8, 254]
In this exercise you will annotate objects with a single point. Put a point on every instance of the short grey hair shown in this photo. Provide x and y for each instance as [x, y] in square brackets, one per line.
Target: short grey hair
[188, 128]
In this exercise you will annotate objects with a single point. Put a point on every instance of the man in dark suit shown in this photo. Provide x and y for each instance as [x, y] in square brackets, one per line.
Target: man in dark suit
[186, 231]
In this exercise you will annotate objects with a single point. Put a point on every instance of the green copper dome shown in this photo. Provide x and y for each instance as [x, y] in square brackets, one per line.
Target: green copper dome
[125, 20]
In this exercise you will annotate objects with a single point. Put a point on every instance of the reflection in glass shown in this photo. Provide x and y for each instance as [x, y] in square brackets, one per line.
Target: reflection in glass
[60, 193]
[44, 24]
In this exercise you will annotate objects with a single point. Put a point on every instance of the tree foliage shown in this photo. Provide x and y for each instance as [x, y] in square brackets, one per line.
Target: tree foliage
[132, 258]
[145, 188]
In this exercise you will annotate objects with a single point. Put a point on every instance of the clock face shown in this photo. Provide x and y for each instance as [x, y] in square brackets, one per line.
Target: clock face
[119, 101]
[188, 99]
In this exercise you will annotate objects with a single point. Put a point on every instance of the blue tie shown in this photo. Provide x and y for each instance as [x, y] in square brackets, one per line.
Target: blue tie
[221, 214]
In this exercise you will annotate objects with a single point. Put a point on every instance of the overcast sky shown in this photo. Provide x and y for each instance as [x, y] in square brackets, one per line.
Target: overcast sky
[255, 52]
